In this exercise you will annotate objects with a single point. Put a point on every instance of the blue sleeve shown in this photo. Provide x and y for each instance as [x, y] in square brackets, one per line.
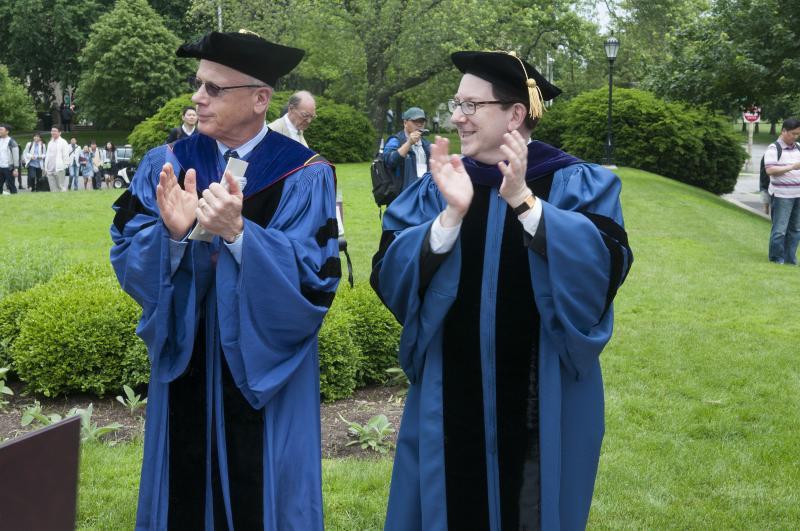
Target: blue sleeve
[397, 272]
[587, 258]
[390, 155]
[141, 258]
[273, 302]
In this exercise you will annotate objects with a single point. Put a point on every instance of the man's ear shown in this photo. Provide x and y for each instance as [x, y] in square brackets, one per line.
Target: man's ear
[518, 114]
[262, 96]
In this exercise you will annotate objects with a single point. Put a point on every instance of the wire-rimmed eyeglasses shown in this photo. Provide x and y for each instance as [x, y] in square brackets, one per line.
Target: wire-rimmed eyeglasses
[214, 90]
[469, 107]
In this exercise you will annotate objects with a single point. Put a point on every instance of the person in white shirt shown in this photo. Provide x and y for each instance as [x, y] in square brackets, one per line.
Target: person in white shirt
[74, 164]
[33, 158]
[301, 112]
[9, 159]
[56, 161]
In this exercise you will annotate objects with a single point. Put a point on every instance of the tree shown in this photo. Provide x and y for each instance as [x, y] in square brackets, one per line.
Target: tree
[129, 66]
[16, 106]
[741, 52]
[48, 36]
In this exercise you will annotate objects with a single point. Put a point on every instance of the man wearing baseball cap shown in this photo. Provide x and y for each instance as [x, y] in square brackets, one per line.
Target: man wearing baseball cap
[234, 269]
[502, 267]
[407, 153]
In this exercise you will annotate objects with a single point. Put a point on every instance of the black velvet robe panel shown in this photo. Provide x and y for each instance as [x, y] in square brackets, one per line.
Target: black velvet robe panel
[244, 429]
[517, 324]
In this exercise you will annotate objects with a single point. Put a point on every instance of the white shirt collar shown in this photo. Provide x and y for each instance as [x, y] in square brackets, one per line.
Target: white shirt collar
[187, 131]
[290, 126]
[247, 147]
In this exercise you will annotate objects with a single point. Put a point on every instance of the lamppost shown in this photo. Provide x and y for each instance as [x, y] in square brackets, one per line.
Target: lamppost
[611, 46]
[549, 76]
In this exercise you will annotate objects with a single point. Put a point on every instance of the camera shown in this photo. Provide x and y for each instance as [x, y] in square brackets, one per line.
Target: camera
[424, 132]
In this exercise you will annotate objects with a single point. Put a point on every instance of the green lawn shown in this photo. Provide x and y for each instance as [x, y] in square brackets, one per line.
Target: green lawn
[702, 378]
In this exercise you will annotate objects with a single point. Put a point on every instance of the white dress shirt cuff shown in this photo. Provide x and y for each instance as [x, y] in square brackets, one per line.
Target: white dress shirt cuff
[235, 248]
[531, 221]
[443, 239]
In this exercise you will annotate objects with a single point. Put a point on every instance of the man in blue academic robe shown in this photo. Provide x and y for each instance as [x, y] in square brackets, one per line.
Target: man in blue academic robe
[502, 267]
[232, 439]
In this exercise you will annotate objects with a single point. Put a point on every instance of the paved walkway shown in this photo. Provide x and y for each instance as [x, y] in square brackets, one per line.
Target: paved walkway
[746, 194]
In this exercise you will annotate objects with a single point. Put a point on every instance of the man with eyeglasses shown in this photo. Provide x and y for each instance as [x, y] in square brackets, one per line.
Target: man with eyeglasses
[407, 153]
[301, 111]
[231, 312]
[502, 266]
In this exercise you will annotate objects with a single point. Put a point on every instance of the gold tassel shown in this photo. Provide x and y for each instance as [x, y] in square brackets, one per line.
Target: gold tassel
[535, 98]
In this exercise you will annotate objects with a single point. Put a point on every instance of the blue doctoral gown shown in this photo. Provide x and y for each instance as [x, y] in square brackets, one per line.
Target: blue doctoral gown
[573, 283]
[246, 333]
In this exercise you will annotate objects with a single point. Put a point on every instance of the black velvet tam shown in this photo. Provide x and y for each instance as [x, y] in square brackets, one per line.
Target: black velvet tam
[505, 70]
[246, 52]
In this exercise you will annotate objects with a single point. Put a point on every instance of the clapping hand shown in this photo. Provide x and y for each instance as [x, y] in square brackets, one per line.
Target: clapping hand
[514, 190]
[177, 205]
[220, 211]
[452, 180]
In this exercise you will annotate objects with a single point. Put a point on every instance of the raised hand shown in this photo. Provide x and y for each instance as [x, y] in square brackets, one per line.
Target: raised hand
[452, 180]
[514, 190]
[220, 211]
[177, 205]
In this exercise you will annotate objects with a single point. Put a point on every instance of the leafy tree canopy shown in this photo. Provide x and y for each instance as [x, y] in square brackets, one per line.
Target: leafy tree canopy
[129, 66]
[48, 36]
[16, 106]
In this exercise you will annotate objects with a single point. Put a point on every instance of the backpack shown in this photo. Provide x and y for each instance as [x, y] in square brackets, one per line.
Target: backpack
[763, 176]
[386, 185]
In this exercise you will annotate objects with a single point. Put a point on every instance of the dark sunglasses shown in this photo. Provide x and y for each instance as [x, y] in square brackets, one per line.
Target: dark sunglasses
[215, 90]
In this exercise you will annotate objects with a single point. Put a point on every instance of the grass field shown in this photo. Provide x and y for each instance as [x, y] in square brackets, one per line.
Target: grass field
[702, 378]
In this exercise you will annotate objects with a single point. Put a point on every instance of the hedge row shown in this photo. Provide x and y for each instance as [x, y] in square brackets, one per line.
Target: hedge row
[339, 133]
[685, 143]
[76, 332]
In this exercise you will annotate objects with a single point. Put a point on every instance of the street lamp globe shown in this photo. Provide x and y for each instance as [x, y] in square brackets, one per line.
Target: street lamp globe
[612, 47]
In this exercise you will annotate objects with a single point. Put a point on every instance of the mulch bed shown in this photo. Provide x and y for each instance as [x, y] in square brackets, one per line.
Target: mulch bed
[359, 408]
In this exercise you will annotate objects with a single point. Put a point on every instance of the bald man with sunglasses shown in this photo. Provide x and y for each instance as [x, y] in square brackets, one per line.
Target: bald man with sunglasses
[234, 271]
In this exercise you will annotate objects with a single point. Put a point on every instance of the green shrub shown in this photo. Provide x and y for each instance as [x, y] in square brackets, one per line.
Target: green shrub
[376, 332]
[339, 355]
[79, 335]
[28, 264]
[13, 310]
[153, 131]
[685, 143]
[340, 133]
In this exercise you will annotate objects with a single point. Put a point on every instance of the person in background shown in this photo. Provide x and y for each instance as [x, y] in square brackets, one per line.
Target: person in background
[109, 164]
[74, 165]
[98, 158]
[67, 114]
[9, 159]
[188, 126]
[784, 187]
[407, 152]
[56, 161]
[86, 167]
[33, 158]
[300, 113]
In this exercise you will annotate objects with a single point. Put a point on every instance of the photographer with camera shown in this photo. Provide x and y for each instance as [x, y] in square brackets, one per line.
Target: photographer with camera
[407, 153]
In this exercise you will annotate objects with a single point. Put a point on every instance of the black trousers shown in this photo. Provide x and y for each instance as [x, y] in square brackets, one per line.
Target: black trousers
[6, 177]
[34, 176]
